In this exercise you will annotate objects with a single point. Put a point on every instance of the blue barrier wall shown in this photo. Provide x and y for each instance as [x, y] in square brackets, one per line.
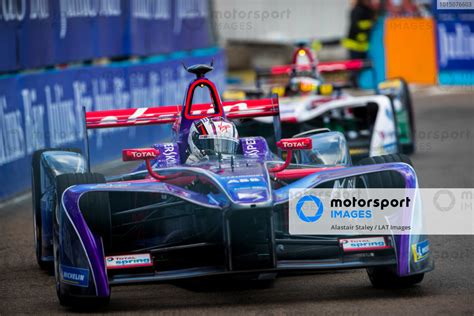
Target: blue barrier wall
[454, 49]
[455, 35]
[45, 109]
[35, 36]
[8, 43]
[39, 33]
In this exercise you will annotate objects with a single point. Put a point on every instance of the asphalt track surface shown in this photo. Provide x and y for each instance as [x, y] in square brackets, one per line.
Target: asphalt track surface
[449, 289]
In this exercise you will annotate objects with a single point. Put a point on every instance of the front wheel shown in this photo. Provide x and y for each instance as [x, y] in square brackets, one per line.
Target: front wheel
[37, 193]
[95, 208]
[384, 277]
[71, 301]
[385, 179]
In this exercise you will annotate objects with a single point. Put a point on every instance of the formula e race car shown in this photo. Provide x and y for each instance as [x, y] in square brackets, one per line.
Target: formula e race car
[224, 216]
[373, 124]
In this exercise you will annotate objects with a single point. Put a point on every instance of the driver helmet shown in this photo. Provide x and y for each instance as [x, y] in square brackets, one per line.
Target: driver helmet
[211, 137]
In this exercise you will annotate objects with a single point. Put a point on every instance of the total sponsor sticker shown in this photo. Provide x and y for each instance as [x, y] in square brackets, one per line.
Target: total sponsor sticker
[129, 261]
[363, 244]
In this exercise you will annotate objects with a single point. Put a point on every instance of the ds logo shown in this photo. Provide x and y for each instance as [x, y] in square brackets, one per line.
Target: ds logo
[314, 204]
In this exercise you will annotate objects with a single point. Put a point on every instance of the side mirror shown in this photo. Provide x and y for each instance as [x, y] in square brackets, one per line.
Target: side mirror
[139, 154]
[288, 145]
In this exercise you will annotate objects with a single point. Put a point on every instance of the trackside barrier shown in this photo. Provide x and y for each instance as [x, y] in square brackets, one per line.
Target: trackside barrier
[44, 110]
[455, 35]
[431, 50]
[39, 33]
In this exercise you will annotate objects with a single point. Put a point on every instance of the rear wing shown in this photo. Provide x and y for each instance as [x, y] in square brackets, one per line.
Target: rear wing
[169, 114]
[345, 65]
[279, 74]
[321, 67]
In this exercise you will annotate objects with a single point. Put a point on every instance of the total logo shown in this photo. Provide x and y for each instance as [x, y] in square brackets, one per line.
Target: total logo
[297, 143]
[363, 244]
[129, 261]
[139, 154]
[143, 154]
[313, 208]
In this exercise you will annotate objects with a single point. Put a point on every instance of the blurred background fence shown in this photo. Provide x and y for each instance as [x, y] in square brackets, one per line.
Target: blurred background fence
[39, 33]
[424, 41]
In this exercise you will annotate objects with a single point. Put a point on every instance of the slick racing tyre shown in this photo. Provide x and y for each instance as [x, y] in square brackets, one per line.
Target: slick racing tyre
[95, 208]
[397, 89]
[385, 179]
[385, 277]
[405, 97]
[37, 193]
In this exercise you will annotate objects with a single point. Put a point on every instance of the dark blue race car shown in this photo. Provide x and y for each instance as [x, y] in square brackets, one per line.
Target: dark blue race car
[224, 216]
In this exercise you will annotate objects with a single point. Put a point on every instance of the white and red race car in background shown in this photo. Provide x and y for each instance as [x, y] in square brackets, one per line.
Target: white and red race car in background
[377, 124]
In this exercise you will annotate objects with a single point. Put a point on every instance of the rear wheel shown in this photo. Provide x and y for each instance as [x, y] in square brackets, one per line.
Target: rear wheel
[385, 277]
[37, 193]
[95, 208]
